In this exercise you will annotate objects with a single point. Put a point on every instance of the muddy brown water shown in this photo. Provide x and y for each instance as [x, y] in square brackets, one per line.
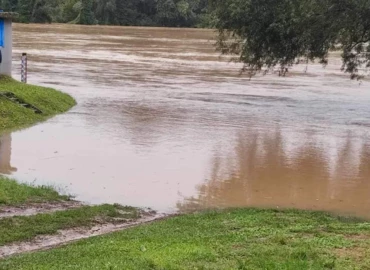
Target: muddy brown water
[163, 122]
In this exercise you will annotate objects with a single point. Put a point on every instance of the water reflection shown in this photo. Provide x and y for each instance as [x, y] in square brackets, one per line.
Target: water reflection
[265, 170]
[5, 154]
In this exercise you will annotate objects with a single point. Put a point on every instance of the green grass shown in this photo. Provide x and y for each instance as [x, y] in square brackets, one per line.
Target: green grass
[49, 101]
[230, 239]
[25, 228]
[13, 193]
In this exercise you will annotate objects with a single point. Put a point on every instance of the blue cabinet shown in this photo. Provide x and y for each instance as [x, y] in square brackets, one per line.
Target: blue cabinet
[1, 32]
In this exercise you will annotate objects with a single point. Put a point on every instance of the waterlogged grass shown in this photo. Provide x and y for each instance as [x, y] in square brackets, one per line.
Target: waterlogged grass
[233, 239]
[25, 228]
[49, 101]
[14, 193]
[12, 115]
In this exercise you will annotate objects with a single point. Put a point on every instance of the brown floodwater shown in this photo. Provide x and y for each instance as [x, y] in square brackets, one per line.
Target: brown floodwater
[162, 121]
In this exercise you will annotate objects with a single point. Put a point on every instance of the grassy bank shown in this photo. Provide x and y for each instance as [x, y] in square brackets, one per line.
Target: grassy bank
[233, 239]
[13, 193]
[49, 101]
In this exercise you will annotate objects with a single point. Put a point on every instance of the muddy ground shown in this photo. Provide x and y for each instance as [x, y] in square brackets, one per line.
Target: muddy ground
[67, 236]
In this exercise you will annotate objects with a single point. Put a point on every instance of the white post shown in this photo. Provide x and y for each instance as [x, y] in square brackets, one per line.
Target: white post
[24, 68]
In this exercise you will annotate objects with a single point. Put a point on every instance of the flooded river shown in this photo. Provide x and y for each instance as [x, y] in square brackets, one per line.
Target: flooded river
[163, 122]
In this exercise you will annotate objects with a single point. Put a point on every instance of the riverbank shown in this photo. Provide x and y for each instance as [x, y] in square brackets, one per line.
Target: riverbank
[22, 105]
[38, 217]
[229, 239]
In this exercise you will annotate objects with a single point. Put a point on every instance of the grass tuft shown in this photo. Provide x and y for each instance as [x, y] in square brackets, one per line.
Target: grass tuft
[13, 193]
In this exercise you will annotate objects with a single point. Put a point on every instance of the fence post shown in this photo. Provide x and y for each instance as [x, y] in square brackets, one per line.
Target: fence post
[24, 68]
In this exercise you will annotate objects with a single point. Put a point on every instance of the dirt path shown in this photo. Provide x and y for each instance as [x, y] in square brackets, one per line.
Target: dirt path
[37, 208]
[67, 236]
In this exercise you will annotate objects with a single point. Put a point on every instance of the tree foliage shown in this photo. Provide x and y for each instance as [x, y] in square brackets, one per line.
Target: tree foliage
[280, 33]
[177, 13]
[86, 15]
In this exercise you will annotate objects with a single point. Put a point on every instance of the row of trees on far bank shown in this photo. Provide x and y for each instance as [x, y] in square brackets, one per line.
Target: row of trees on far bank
[175, 13]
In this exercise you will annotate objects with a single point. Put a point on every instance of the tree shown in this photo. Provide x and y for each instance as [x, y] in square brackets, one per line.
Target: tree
[126, 12]
[167, 13]
[70, 10]
[25, 8]
[8, 5]
[105, 11]
[280, 33]
[146, 11]
[41, 12]
[86, 14]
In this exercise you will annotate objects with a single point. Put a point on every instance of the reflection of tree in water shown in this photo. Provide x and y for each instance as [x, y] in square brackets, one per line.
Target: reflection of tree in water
[144, 124]
[266, 174]
[5, 154]
[365, 161]
[148, 125]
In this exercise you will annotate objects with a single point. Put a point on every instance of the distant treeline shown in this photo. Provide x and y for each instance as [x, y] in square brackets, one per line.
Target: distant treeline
[173, 13]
